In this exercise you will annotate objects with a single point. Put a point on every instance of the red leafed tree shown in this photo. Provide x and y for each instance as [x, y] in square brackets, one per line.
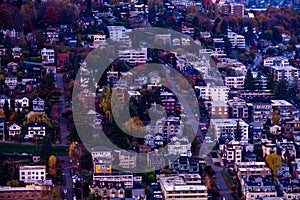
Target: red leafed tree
[5, 16]
[52, 15]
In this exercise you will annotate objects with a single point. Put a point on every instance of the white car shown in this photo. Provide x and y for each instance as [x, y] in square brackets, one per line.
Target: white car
[65, 191]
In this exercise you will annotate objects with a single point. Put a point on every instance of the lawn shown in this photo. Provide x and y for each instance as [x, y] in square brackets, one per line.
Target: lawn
[29, 148]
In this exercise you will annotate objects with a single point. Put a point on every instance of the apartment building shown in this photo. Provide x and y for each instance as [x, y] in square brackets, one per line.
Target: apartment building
[127, 159]
[24, 193]
[290, 188]
[134, 56]
[232, 153]
[32, 173]
[218, 109]
[225, 128]
[175, 187]
[232, 9]
[120, 34]
[261, 111]
[237, 108]
[237, 40]
[102, 160]
[247, 169]
[213, 93]
[284, 72]
[276, 61]
[236, 82]
[184, 165]
[258, 187]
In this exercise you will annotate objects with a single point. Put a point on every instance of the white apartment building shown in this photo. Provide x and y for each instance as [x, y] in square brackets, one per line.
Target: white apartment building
[247, 169]
[32, 173]
[127, 159]
[276, 61]
[177, 187]
[48, 55]
[232, 152]
[120, 34]
[179, 146]
[235, 81]
[126, 179]
[284, 72]
[134, 56]
[213, 93]
[227, 127]
[237, 40]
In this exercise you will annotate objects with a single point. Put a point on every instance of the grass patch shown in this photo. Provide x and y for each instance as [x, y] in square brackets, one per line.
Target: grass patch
[29, 148]
[214, 155]
[33, 59]
[227, 179]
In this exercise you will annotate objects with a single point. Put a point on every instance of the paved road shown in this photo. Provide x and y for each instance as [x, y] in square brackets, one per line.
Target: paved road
[225, 191]
[66, 170]
[63, 121]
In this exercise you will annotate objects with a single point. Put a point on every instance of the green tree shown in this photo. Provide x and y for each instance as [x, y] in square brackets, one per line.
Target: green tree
[274, 162]
[46, 150]
[249, 81]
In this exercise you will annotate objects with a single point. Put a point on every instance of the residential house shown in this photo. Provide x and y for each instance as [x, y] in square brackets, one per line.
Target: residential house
[14, 129]
[21, 102]
[276, 61]
[4, 98]
[36, 129]
[36, 173]
[48, 55]
[11, 82]
[12, 67]
[16, 52]
[38, 104]
[284, 72]
[63, 58]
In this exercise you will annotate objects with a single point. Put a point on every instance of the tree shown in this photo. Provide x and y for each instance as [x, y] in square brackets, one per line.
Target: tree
[52, 15]
[281, 90]
[249, 81]
[274, 162]
[46, 150]
[6, 21]
[275, 117]
[52, 161]
[238, 132]
[134, 126]
[151, 178]
[38, 117]
[6, 110]
[258, 81]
